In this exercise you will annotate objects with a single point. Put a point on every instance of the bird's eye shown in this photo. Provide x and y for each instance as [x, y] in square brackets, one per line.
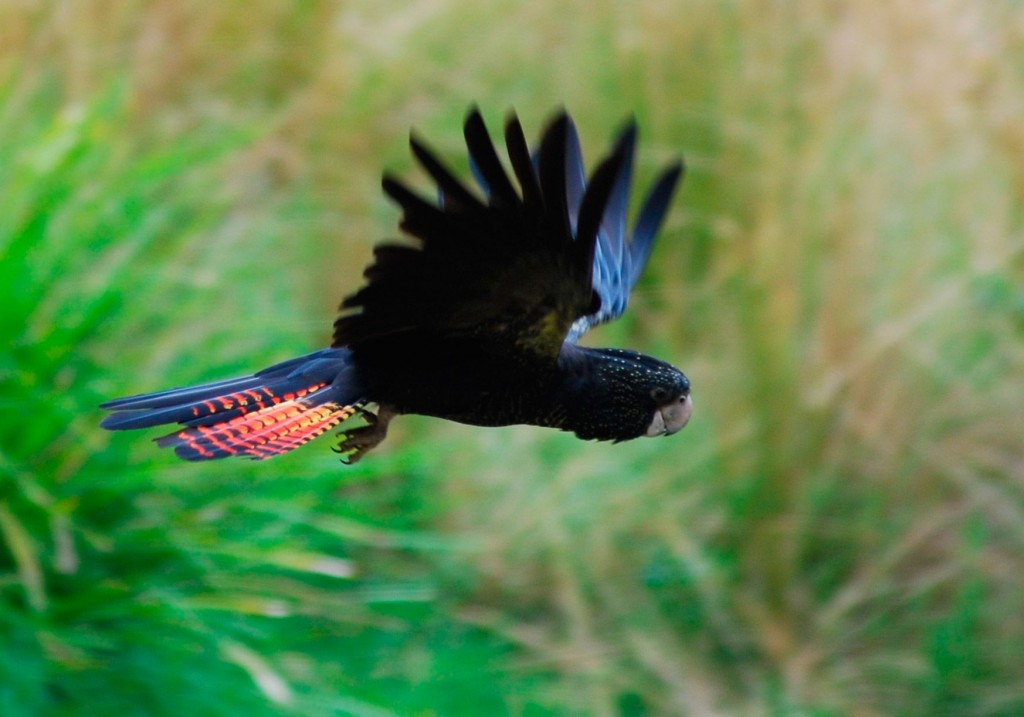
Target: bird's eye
[660, 395]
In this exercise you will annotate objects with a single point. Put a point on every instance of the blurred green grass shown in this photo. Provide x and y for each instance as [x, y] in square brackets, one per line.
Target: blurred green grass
[187, 190]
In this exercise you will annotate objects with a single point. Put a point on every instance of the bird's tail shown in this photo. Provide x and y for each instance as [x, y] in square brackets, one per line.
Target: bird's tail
[258, 416]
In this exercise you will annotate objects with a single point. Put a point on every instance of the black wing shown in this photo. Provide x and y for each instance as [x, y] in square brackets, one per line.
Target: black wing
[513, 270]
[618, 260]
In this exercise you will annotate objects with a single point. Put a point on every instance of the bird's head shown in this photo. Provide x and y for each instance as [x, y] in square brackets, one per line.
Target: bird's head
[619, 395]
[672, 407]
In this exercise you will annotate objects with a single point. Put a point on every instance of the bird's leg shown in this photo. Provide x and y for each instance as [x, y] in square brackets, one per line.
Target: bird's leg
[356, 442]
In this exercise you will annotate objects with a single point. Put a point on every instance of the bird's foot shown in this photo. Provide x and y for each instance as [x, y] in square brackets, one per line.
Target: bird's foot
[357, 442]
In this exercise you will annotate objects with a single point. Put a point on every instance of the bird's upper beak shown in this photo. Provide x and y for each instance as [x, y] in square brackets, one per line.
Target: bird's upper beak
[671, 417]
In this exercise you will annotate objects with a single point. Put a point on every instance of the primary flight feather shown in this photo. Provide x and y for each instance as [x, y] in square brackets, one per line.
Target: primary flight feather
[475, 320]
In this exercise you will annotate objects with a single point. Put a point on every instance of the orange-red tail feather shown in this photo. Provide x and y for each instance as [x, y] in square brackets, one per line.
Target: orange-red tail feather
[261, 434]
[268, 413]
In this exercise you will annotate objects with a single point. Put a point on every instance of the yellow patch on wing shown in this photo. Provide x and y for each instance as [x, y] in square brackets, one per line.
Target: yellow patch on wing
[545, 335]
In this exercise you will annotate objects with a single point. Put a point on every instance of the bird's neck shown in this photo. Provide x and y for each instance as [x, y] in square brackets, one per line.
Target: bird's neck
[572, 392]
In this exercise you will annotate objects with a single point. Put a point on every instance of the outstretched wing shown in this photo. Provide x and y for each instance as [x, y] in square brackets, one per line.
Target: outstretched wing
[512, 270]
[619, 260]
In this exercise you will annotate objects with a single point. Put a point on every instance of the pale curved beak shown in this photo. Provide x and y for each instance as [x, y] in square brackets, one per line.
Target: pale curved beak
[671, 417]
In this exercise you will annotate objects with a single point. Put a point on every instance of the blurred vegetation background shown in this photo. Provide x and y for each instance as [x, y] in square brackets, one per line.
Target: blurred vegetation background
[188, 188]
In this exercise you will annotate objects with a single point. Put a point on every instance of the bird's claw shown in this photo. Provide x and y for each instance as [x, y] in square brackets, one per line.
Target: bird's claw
[366, 414]
[357, 442]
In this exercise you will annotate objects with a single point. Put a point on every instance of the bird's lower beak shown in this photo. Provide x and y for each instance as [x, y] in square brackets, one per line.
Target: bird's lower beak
[671, 418]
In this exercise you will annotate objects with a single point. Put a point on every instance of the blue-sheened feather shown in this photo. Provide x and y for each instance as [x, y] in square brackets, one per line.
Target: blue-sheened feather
[650, 217]
[619, 258]
[575, 174]
[177, 405]
[613, 263]
[485, 164]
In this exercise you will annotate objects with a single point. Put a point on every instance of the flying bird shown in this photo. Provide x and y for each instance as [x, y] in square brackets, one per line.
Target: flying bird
[474, 317]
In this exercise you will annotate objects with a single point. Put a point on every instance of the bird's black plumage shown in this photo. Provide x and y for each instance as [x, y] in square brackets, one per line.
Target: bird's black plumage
[474, 318]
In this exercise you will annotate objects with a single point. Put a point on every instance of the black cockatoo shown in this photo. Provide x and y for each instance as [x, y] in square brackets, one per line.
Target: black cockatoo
[475, 320]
